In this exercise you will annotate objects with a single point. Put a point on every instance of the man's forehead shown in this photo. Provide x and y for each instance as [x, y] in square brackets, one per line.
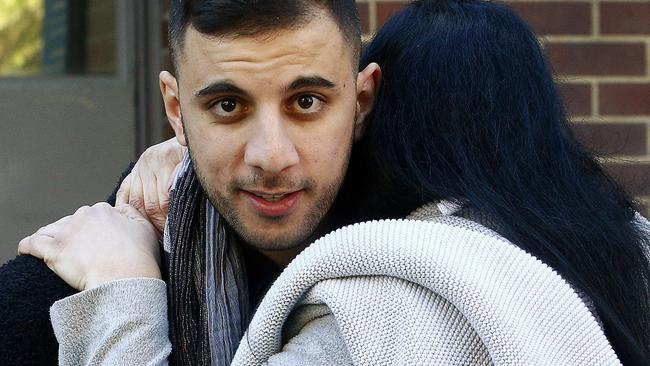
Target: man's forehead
[317, 43]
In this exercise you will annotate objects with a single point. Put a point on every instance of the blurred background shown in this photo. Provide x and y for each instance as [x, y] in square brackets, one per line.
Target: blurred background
[79, 95]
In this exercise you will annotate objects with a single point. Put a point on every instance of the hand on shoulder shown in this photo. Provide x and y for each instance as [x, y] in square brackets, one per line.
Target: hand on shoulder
[97, 244]
[147, 186]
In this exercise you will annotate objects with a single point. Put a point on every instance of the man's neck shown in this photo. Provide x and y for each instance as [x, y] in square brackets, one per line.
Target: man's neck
[283, 257]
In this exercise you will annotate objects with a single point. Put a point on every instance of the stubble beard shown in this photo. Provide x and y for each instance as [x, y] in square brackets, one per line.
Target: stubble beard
[303, 228]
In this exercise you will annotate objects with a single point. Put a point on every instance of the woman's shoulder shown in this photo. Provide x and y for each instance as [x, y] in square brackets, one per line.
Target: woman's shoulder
[499, 289]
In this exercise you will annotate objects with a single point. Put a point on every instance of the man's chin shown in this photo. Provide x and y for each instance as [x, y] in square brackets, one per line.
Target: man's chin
[274, 242]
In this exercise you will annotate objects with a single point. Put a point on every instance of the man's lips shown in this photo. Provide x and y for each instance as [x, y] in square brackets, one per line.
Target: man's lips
[272, 204]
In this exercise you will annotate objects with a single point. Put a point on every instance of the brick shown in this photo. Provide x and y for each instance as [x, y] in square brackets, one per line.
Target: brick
[552, 18]
[364, 16]
[625, 99]
[634, 178]
[625, 18]
[386, 9]
[577, 98]
[597, 58]
[614, 138]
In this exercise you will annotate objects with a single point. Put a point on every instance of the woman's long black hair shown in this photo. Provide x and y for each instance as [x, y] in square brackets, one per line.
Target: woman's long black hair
[468, 110]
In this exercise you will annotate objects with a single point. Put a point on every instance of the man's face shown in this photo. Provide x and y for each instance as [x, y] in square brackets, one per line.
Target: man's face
[270, 122]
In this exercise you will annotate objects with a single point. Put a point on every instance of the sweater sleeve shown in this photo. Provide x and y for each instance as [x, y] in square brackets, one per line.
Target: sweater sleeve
[28, 288]
[122, 322]
[319, 343]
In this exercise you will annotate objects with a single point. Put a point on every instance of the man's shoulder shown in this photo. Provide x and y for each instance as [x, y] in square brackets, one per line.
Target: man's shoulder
[27, 290]
[30, 276]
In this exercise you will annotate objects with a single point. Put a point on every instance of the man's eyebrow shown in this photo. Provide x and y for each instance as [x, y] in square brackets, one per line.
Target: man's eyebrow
[219, 87]
[310, 81]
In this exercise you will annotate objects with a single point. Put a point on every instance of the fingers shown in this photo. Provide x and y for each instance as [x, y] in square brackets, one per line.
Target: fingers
[136, 194]
[155, 200]
[97, 244]
[147, 187]
[166, 189]
[122, 197]
[146, 196]
[51, 231]
[151, 200]
[156, 197]
[162, 185]
[40, 246]
[134, 215]
[163, 197]
[170, 180]
[131, 212]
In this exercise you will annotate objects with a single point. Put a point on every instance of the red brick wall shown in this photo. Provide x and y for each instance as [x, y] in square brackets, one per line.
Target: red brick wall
[600, 52]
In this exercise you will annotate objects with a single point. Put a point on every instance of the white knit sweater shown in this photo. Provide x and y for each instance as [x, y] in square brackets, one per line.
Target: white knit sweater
[446, 291]
[443, 292]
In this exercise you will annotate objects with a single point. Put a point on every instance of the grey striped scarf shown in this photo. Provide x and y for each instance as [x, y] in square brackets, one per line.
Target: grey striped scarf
[207, 291]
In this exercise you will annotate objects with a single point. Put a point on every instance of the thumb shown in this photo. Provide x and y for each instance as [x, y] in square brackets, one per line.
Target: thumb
[122, 196]
[41, 246]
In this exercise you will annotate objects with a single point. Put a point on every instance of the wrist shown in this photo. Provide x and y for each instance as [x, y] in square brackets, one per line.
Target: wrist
[95, 280]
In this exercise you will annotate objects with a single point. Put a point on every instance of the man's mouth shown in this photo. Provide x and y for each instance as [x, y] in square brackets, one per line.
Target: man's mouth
[272, 204]
[272, 197]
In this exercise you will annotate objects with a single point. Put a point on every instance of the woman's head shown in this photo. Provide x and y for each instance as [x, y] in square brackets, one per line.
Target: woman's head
[466, 85]
[468, 110]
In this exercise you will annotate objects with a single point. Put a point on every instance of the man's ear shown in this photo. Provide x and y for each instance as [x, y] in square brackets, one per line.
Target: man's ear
[169, 91]
[367, 87]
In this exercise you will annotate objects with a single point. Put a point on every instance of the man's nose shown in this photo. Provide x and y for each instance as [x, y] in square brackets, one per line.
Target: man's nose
[271, 149]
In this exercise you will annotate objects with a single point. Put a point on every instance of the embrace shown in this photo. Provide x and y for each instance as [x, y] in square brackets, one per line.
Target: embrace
[420, 200]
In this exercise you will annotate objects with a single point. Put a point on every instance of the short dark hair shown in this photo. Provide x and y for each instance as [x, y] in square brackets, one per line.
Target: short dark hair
[251, 17]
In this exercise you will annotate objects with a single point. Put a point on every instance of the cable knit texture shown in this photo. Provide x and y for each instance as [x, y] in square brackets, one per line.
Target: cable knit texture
[443, 292]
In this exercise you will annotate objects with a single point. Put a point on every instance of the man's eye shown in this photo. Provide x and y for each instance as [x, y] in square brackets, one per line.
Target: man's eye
[307, 103]
[227, 107]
